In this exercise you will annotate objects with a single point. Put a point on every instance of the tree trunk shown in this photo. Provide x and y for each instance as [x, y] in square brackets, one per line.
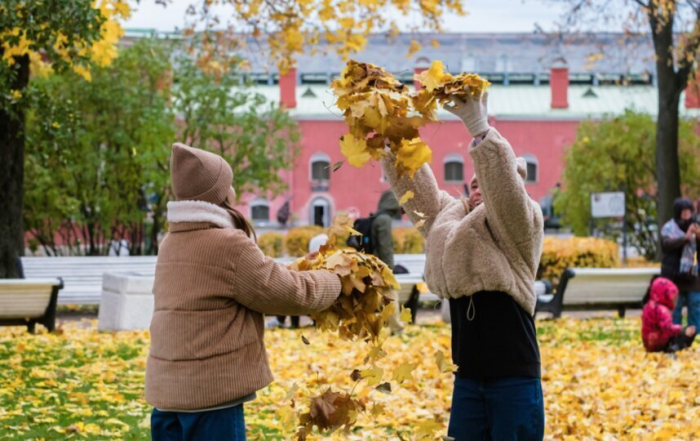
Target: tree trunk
[12, 175]
[669, 90]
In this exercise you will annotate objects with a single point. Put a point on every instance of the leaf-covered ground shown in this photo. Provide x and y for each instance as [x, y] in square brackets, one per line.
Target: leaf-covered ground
[598, 382]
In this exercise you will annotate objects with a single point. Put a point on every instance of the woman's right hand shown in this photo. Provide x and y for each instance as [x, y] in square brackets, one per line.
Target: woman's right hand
[472, 111]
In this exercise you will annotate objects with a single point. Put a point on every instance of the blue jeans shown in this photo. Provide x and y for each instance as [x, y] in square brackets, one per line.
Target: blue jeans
[214, 425]
[692, 301]
[498, 409]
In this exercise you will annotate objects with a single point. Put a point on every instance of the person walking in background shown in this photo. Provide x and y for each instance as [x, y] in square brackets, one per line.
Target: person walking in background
[679, 244]
[212, 286]
[482, 255]
[388, 209]
[658, 331]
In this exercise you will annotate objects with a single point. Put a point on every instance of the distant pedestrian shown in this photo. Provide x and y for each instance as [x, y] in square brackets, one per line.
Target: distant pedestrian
[680, 244]
[658, 331]
[388, 209]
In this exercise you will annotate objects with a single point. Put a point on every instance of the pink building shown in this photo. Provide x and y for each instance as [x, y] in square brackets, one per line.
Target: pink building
[543, 87]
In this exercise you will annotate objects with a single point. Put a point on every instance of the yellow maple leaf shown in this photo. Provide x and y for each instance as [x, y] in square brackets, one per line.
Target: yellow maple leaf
[426, 430]
[406, 197]
[404, 372]
[413, 47]
[412, 154]
[373, 375]
[434, 77]
[443, 363]
[355, 150]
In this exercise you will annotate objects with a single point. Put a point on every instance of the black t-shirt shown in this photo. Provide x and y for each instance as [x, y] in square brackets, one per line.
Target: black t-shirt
[500, 340]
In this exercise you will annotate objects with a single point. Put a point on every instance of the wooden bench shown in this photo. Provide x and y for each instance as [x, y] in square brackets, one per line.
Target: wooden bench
[26, 302]
[82, 276]
[598, 289]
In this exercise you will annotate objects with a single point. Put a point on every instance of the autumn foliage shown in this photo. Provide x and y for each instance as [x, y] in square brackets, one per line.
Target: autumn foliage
[576, 252]
[381, 112]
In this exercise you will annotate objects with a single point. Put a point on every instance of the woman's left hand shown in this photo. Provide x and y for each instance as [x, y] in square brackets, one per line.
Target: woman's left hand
[472, 111]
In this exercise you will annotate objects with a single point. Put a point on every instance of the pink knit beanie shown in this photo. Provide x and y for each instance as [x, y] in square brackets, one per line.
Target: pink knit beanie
[198, 175]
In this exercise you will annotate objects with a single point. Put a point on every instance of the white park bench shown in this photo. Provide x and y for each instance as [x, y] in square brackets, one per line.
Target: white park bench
[82, 276]
[598, 289]
[26, 302]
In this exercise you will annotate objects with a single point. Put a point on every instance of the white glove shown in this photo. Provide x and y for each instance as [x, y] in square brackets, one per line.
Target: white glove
[472, 111]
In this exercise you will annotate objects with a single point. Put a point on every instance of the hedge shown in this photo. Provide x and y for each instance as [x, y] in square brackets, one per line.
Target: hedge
[407, 241]
[580, 252]
[271, 244]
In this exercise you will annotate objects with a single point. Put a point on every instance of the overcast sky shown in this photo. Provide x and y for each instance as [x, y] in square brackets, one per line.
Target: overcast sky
[484, 16]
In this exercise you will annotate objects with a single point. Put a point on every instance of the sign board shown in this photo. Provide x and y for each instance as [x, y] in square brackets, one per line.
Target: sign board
[608, 204]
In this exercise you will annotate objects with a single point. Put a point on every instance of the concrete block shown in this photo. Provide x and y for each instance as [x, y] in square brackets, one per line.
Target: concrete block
[126, 302]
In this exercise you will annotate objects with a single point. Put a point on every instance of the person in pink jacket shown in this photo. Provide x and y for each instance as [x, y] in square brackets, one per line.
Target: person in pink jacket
[658, 331]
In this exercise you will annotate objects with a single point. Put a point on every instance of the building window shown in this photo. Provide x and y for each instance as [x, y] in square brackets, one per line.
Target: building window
[532, 169]
[320, 212]
[320, 168]
[260, 211]
[454, 168]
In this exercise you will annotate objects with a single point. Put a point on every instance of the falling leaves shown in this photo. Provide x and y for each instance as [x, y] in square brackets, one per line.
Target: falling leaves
[403, 372]
[443, 363]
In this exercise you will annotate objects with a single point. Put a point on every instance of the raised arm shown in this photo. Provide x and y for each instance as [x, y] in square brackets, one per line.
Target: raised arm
[263, 285]
[508, 207]
[427, 201]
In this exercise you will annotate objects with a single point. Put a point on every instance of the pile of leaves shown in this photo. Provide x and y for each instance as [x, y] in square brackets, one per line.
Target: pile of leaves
[381, 112]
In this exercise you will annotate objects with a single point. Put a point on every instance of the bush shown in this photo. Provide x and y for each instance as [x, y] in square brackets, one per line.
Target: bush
[579, 252]
[407, 241]
[296, 242]
[640, 262]
[271, 244]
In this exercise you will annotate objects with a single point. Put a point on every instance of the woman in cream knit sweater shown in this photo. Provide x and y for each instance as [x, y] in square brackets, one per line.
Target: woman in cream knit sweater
[482, 256]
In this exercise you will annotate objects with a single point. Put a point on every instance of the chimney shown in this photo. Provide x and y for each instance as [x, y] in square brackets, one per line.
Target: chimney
[559, 84]
[692, 93]
[422, 64]
[288, 89]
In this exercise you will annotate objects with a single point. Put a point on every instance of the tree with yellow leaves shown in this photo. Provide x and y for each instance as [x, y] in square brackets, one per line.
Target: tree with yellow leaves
[291, 26]
[36, 38]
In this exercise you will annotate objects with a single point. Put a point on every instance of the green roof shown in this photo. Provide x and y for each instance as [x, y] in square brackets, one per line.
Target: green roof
[510, 102]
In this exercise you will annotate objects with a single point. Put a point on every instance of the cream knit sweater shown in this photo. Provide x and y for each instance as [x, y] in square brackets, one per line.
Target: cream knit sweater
[212, 286]
[497, 246]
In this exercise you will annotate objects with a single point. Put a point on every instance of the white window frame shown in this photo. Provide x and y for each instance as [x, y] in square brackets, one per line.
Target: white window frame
[260, 202]
[318, 157]
[320, 201]
[452, 157]
[532, 159]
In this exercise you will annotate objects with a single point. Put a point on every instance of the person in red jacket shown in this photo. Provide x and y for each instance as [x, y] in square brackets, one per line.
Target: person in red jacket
[658, 331]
